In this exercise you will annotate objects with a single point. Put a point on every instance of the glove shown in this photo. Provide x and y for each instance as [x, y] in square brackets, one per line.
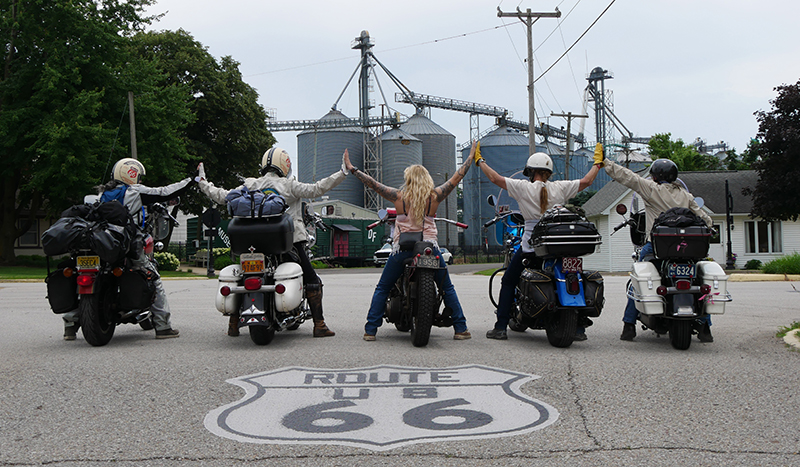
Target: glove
[201, 172]
[599, 158]
[344, 166]
[478, 157]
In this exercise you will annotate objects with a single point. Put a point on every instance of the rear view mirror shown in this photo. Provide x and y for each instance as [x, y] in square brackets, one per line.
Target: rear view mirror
[621, 209]
[490, 199]
[382, 213]
[700, 201]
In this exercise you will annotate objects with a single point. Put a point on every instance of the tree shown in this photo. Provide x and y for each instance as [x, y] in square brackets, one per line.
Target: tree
[686, 157]
[775, 194]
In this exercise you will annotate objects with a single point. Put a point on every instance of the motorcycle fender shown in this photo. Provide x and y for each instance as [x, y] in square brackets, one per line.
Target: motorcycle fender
[230, 276]
[291, 276]
[683, 305]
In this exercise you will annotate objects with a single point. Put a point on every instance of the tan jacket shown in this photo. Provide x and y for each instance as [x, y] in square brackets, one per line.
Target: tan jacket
[291, 190]
[658, 197]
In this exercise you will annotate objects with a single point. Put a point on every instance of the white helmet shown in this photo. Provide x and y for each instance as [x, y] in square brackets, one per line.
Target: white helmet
[128, 171]
[538, 161]
[276, 159]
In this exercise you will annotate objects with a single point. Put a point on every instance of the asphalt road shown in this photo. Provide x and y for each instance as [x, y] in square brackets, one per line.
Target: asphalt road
[140, 401]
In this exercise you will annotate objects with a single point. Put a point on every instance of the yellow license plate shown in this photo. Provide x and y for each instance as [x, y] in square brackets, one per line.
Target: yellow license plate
[252, 265]
[88, 262]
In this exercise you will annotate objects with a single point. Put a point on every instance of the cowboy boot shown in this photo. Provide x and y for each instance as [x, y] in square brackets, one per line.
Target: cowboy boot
[314, 298]
[233, 325]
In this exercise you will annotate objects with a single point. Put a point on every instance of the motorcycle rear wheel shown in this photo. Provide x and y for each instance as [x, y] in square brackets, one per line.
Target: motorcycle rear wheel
[96, 330]
[680, 334]
[426, 307]
[261, 335]
[560, 327]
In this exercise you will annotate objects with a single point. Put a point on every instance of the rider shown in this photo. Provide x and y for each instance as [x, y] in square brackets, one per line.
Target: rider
[125, 186]
[535, 196]
[275, 170]
[416, 203]
[660, 194]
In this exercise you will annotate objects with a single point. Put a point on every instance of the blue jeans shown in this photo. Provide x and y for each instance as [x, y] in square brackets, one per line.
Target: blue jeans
[631, 313]
[507, 291]
[391, 272]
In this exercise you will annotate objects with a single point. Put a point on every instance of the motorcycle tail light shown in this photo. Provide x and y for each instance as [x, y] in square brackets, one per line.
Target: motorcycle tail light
[252, 283]
[705, 289]
[661, 290]
[225, 290]
[428, 251]
[85, 280]
[573, 285]
[117, 272]
[280, 288]
[68, 272]
[683, 285]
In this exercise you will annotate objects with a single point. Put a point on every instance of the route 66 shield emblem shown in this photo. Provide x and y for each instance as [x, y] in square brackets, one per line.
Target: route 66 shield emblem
[381, 407]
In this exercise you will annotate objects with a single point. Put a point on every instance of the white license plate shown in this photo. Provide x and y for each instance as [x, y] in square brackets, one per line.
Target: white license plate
[88, 262]
[572, 264]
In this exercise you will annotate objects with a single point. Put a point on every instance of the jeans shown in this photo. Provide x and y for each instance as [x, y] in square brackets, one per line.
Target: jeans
[391, 272]
[631, 313]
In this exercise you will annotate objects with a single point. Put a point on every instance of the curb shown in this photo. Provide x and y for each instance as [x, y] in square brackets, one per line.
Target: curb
[793, 338]
[737, 277]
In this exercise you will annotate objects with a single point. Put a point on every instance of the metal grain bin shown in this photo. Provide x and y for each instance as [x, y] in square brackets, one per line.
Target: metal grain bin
[319, 154]
[398, 150]
[439, 157]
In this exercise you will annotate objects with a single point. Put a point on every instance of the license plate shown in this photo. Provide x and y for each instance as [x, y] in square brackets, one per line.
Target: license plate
[684, 271]
[88, 262]
[427, 261]
[252, 262]
[572, 264]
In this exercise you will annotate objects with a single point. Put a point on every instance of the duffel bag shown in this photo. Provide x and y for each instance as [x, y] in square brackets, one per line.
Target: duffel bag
[65, 234]
[109, 241]
[537, 292]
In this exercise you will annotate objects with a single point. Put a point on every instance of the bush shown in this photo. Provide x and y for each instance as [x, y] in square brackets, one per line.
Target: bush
[167, 261]
[753, 264]
[221, 261]
[789, 264]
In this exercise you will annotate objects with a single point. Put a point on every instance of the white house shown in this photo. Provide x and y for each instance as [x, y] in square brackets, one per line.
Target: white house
[750, 238]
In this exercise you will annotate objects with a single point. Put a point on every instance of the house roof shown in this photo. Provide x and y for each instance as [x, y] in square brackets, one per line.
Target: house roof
[709, 185]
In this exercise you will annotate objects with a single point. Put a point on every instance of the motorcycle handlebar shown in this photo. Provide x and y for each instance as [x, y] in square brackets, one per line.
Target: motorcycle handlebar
[373, 225]
[463, 226]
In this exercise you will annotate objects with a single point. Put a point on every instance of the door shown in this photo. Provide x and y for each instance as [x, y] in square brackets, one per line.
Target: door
[341, 244]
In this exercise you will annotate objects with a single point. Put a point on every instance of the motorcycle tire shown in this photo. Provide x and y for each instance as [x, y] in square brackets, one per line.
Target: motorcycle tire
[560, 327]
[491, 288]
[96, 329]
[426, 307]
[680, 334]
[261, 335]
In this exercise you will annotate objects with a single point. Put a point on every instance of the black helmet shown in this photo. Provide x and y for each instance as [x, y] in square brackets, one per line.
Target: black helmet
[664, 170]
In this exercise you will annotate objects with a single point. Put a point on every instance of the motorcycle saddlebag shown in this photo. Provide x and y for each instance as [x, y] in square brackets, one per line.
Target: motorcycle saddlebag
[681, 242]
[271, 235]
[62, 292]
[593, 292]
[537, 292]
[137, 289]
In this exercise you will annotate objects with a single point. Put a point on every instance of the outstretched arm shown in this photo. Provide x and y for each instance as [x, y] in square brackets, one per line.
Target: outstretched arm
[443, 190]
[588, 179]
[386, 192]
[493, 176]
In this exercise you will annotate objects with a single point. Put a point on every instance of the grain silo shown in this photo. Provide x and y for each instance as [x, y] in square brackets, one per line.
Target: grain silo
[439, 157]
[398, 150]
[319, 154]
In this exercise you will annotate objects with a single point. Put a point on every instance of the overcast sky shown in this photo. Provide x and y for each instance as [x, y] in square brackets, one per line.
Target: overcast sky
[689, 68]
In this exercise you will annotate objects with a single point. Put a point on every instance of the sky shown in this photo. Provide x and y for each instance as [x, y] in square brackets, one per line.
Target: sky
[688, 68]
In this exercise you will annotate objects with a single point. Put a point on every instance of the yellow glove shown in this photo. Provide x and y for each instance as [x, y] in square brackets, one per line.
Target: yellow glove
[478, 157]
[598, 155]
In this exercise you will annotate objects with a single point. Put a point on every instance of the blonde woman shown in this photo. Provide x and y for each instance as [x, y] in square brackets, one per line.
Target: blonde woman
[416, 203]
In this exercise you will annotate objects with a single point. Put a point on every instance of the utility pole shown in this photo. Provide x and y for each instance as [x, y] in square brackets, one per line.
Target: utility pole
[528, 19]
[133, 126]
[569, 116]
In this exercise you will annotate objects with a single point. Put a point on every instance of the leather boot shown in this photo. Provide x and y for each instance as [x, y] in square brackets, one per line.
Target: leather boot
[314, 298]
[233, 325]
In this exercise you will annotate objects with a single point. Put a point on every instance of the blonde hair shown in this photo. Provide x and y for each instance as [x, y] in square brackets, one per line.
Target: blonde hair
[417, 189]
[544, 198]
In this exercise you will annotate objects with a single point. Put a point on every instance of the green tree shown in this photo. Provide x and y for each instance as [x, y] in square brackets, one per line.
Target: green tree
[775, 194]
[686, 157]
[229, 132]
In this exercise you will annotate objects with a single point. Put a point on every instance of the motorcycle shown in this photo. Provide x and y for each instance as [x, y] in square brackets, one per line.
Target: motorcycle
[555, 293]
[414, 301]
[265, 288]
[98, 278]
[674, 290]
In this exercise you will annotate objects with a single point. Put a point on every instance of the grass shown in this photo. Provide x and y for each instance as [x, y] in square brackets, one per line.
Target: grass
[36, 272]
[486, 272]
[787, 329]
[789, 264]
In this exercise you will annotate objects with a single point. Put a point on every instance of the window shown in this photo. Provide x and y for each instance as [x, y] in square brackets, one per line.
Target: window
[716, 238]
[31, 237]
[762, 237]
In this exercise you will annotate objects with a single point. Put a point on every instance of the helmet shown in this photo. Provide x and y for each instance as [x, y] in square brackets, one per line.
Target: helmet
[664, 171]
[277, 160]
[538, 161]
[128, 171]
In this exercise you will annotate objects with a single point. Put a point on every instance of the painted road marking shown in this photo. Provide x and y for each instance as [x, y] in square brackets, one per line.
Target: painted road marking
[381, 407]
